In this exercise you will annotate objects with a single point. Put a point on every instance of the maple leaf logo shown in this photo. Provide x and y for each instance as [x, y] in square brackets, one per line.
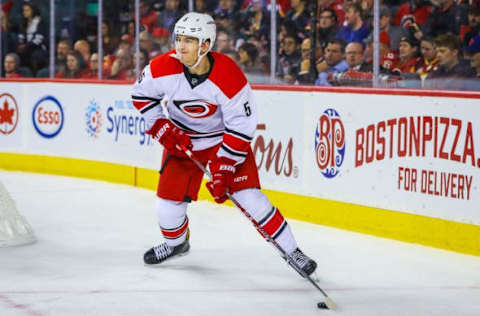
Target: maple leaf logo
[6, 114]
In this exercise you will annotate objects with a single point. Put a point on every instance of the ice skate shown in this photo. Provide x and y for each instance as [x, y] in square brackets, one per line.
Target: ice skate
[305, 263]
[163, 252]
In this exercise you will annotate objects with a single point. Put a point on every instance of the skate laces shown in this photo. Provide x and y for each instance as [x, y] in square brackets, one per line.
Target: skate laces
[162, 251]
[299, 257]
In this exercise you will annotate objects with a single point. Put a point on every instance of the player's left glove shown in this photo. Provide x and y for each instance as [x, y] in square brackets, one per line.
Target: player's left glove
[222, 170]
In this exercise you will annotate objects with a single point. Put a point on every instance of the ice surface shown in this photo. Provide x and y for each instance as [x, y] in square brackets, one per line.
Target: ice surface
[92, 236]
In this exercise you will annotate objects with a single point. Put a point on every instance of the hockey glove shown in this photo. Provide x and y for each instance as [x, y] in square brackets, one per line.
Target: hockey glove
[169, 136]
[222, 170]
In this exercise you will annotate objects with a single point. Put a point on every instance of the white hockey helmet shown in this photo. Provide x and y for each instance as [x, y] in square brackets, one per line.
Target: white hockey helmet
[197, 25]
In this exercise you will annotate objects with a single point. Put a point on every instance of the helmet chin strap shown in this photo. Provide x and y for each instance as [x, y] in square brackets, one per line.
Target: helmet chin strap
[200, 56]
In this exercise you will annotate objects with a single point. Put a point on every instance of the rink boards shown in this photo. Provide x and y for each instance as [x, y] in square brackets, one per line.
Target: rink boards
[403, 166]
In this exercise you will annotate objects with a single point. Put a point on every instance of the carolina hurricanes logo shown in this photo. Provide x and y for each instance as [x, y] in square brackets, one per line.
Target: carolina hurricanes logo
[196, 108]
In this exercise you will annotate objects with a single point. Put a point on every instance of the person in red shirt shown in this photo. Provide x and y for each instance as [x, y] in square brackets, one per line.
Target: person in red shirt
[428, 61]
[408, 54]
[148, 16]
[420, 9]
[122, 65]
[76, 68]
[10, 64]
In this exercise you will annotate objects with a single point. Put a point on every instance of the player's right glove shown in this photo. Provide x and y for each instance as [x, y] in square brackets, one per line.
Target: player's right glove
[170, 136]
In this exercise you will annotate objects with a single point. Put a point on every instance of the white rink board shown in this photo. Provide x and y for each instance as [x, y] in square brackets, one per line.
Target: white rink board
[121, 134]
[285, 143]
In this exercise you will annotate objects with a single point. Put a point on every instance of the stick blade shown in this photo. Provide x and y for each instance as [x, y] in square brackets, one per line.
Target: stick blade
[330, 303]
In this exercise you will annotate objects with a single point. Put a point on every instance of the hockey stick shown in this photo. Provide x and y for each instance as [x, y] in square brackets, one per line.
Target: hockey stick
[328, 301]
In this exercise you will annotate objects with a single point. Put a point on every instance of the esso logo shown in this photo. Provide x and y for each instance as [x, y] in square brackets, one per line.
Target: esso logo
[48, 117]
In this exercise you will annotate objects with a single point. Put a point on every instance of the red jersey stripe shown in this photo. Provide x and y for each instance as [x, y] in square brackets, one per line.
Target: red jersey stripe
[165, 65]
[274, 223]
[140, 104]
[235, 143]
[231, 81]
[172, 234]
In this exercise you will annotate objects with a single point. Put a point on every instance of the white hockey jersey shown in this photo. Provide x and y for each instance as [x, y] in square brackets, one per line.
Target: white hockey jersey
[219, 109]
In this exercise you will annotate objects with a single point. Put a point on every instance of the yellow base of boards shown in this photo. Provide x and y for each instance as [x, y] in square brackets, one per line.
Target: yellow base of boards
[450, 235]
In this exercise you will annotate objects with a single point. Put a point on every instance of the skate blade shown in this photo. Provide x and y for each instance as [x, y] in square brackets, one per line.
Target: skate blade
[158, 265]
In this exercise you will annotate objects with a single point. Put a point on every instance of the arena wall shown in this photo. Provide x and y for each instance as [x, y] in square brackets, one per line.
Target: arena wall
[399, 164]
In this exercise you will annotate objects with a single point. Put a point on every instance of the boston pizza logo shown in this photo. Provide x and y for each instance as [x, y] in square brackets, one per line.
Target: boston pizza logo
[47, 117]
[329, 143]
[8, 113]
[196, 108]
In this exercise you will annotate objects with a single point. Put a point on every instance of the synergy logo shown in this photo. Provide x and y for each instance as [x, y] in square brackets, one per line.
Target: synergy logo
[47, 117]
[124, 122]
[329, 143]
[8, 113]
[93, 118]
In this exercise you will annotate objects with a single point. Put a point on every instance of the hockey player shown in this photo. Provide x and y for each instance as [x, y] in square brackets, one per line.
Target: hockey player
[210, 109]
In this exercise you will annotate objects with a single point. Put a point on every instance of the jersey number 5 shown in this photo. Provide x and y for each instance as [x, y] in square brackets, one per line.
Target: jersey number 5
[248, 111]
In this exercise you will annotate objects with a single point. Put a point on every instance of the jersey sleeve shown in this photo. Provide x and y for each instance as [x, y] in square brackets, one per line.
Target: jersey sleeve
[240, 120]
[147, 97]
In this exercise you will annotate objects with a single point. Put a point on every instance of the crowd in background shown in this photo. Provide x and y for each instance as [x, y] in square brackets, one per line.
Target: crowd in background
[423, 43]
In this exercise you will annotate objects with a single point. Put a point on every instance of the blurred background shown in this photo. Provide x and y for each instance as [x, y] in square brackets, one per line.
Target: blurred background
[418, 44]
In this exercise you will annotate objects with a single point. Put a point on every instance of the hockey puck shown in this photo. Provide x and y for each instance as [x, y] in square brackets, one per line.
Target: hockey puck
[322, 305]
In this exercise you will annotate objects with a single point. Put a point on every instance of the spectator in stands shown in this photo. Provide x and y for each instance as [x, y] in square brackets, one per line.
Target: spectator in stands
[354, 56]
[453, 72]
[306, 73]
[161, 40]
[254, 21]
[9, 36]
[148, 16]
[146, 43]
[92, 72]
[473, 27]
[31, 39]
[247, 59]
[358, 73]
[83, 47]
[110, 41]
[289, 58]
[408, 55]
[170, 15]
[394, 32]
[428, 61]
[201, 6]
[355, 29]
[122, 65]
[444, 19]
[337, 6]
[224, 40]
[263, 50]
[298, 15]
[334, 61]
[328, 27]
[63, 47]
[10, 66]
[410, 28]
[388, 56]
[473, 49]
[226, 9]
[419, 9]
[76, 67]
[143, 58]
